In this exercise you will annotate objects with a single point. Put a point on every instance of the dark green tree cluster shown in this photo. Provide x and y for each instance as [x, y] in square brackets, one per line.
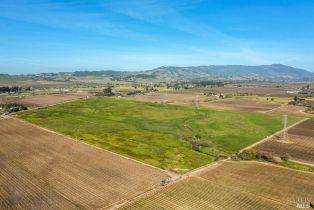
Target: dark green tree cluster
[6, 89]
[13, 107]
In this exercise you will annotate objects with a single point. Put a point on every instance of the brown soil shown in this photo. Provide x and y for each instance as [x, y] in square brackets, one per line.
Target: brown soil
[292, 110]
[234, 185]
[43, 170]
[194, 99]
[301, 143]
[46, 100]
[260, 90]
[243, 105]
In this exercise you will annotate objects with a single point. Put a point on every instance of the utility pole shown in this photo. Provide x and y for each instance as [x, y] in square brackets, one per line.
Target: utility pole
[284, 132]
[197, 102]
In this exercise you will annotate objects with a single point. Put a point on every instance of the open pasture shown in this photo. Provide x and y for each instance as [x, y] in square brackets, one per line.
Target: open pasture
[300, 143]
[50, 99]
[234, 185]
[172, 137]
[43, 170]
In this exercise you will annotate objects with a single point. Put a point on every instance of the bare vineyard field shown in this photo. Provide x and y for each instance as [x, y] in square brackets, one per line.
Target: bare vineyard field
[260, 90]
[300, 143]
[243, 105]
[176, 97]
[43, 170]
[197, 99]
[234, 185]
[292, 111]
[50, 99]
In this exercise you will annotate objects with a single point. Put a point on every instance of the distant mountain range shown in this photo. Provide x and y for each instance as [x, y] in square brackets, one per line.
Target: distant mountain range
[212, 72]
[274, 72]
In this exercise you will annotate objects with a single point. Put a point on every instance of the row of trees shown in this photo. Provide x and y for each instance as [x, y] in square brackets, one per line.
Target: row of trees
[252, 154]
[106, 92]
[6, 89]
[195, 83]
[12, 107]
[206, 83]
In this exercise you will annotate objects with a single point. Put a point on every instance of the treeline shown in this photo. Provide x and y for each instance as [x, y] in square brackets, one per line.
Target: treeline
[106, 92]
[12, 107]
[14, 89]
[195, 83]
[132, 77]
[98, 73]
[206, 83]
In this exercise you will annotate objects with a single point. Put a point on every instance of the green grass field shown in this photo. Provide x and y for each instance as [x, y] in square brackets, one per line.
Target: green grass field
[157, 134]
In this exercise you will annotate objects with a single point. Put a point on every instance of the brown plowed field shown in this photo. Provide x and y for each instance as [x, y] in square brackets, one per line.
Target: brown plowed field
[258, 89]
[300, 144]
[235, 185]
[172, 97]
[192, 99]
[242, 104]
[291, 110]
[46, 100]
[43, 170]
[306, 128]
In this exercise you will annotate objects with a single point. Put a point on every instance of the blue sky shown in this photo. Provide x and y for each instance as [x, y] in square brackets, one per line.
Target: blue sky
[58, 35]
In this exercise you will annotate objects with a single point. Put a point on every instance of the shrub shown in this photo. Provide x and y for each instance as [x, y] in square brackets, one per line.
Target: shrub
[228, 96]
[13, 107]
[203, 144]
[264, 155]
[221, 157]
[268, 156]
[286, 157]
[234, 157]
[249, 154]
[195, 148]
[276, 159]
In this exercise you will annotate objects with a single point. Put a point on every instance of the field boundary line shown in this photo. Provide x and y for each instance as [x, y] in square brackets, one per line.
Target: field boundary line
[208, 166]
[196, 171]
[125, 201]
[60, 103]
[272, 135]
[195, 175]
[157, 188]
[179, 178]
[274, 109]
[172, 175]
[300, 162]
[273, 165]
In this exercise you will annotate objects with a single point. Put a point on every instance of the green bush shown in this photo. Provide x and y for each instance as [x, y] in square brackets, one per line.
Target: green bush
[249, 154]
[196, 148]
[13, 107]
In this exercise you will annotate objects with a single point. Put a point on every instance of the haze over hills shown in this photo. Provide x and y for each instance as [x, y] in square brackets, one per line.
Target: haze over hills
[223, 72]
[274, 72]
[268, 72]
